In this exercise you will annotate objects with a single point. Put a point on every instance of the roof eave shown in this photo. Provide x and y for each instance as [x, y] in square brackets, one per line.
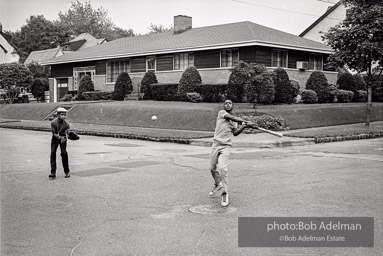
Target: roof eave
[188, 49]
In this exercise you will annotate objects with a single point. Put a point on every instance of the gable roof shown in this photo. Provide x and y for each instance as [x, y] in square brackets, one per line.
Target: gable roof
[203, 38]
[329, 10]
[40, 56]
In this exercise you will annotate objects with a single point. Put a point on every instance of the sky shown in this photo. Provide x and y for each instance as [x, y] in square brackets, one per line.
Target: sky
[292, 16]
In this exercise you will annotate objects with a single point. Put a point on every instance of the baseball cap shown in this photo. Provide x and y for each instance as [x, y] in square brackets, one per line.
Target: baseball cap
[61, 110]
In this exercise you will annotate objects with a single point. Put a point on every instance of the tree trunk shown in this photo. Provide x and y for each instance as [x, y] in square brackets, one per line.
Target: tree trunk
[369, 104]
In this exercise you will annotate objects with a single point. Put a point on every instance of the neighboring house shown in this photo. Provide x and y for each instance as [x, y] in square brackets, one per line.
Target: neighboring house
[7, 49]
[333, 16]
[43, 55]
[213, 50]
[81, 41]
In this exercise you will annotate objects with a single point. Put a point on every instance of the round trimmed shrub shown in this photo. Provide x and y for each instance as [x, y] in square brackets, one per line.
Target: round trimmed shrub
[240, 78]
[148, 79]
[122, 86]
[318, 83]
[38, 88]
[86, 85]
[309, 96]
[345, 96]
[264, 87]
[189, 81]
[346, 82]
[282, 86]
[362, 96]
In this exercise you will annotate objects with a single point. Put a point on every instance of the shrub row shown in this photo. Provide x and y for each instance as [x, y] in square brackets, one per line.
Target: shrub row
[266, 121]
[97, 95]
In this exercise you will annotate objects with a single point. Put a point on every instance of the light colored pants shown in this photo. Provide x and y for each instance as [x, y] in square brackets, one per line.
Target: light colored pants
[219, 161]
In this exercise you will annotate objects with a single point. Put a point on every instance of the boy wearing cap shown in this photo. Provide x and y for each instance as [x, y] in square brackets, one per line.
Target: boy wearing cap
[220, 151]
[60, 128]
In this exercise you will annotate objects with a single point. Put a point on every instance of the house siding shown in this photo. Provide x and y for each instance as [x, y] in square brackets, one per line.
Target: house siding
[138, 65]
[66, 70]
[263, 56]
[164, 63]
[248, 54]
[207, 59]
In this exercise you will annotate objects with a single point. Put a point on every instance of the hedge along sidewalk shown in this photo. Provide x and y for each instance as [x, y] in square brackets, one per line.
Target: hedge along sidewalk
[150, 134]
[340, 132]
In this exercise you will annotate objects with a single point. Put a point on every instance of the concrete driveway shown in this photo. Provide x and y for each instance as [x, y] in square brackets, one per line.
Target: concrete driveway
[130, 197]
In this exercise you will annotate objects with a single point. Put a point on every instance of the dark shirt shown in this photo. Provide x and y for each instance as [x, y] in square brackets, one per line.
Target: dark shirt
[60, 127]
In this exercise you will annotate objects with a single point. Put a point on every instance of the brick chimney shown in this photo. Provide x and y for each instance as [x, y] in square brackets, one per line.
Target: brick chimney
[182, 23]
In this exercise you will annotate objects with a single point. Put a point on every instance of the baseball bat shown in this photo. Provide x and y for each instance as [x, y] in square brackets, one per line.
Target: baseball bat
[268, 131]
[271, 132]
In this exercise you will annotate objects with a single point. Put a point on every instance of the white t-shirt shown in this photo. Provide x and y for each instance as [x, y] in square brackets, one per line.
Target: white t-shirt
[223, 129]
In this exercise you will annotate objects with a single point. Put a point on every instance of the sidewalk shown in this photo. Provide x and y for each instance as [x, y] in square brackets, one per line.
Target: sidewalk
[203, 138]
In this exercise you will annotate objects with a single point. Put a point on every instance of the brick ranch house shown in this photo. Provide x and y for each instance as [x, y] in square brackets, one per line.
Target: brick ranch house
[213, 50]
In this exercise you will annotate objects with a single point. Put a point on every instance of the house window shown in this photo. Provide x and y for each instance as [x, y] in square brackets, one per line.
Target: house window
[316, 62]
[279, 58]
[183, 61]
[115, 68]
[150, 63]
[80, 72]
[229, 58]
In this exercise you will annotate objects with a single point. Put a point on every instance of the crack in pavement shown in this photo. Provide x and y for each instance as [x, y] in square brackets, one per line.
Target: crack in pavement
[204, 231]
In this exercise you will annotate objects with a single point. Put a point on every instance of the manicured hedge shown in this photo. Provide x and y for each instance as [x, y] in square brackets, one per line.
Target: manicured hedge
[212, 92]
[309, 96]
[97, 95]
[164, 92]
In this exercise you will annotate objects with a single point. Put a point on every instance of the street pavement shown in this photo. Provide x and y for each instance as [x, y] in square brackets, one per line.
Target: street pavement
[136, 197]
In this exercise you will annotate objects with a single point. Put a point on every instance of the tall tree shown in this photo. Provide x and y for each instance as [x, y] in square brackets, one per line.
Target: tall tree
[38, 34]
[158, 28]
[358, 41]
[82, 18]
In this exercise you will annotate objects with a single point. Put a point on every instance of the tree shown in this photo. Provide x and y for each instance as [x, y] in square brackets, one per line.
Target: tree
[240, 81]
[13, 77]
[82, 18]
[358, 41]
[38, 71]
[38, 34]
[159, 28]
[122, 86]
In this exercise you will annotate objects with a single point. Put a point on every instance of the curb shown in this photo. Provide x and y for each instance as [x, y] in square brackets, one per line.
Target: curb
[348, 137]
[303, 142]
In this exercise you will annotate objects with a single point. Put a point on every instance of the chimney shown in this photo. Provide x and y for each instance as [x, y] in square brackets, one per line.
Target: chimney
[182, 23]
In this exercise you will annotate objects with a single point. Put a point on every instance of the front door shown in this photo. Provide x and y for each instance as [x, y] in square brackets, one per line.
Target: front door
[79, 73]
[62, 87]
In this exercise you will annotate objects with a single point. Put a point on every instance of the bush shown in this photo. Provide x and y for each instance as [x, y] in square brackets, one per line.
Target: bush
[38, 88]
[309, 96]
[362, 96]
[345, 96]
[212, 92]
[359, 82]
[189, 81]
[282, 86]
[97, 95]
[267, 122]
[148, 79]
[264, 88]
[164, 92]
[346, 82]
[295, 88]
[240, 78]
[194, 97]
[319, 84]
[86, 85]
[332, 93]
[39, 71]
[67, 97]
[122, 86]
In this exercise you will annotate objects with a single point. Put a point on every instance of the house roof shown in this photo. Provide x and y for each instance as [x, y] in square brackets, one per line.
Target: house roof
[203, 38]
[40, 56]
[329, 10]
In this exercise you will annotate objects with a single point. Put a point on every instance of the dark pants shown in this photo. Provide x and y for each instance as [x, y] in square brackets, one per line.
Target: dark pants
[64, 155]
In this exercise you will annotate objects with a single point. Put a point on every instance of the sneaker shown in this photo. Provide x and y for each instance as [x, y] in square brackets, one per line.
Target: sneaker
[224, 199]
[67, 175]
[52, 176]
[217, 187]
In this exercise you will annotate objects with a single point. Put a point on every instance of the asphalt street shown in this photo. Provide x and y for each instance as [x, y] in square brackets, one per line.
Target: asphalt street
[134, 197]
